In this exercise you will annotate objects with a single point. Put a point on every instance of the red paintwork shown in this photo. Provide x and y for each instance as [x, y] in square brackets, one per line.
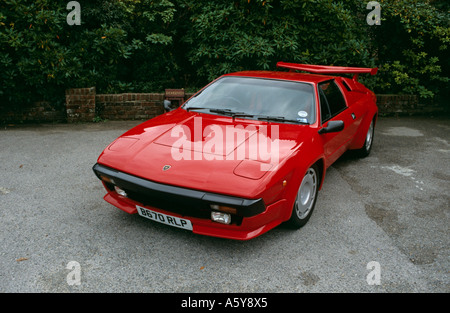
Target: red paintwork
[145, 149]
[323, 69]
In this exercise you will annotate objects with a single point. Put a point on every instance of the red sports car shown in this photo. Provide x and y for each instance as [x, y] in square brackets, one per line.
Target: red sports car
[246, 153]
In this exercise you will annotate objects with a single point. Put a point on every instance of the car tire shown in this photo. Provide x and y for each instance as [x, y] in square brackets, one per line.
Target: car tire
[368, 143]
[305, 200]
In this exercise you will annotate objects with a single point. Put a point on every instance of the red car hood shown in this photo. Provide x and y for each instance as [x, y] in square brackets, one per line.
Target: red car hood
[205, 152]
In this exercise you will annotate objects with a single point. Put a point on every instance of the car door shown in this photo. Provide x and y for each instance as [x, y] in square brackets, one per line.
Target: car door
[333, 107]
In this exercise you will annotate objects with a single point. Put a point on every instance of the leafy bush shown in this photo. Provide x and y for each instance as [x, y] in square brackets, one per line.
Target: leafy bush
[255, 34]
[412, 48]
[41, 55]
[31, 53]
[149, 45]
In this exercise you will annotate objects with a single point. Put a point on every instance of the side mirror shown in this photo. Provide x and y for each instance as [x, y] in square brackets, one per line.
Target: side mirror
[332, 127]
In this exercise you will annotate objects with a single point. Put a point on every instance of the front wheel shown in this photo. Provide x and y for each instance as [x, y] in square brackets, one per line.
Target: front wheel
[306, 198]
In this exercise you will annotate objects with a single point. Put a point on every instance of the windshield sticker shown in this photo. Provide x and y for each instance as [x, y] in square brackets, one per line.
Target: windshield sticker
[302, 120]
[302, 114]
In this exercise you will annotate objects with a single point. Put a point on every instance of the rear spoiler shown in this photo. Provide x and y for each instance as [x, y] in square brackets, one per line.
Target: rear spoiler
[323, 69]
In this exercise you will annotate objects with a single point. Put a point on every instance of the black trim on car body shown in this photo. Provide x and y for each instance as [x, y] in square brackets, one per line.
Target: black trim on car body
[184, 201]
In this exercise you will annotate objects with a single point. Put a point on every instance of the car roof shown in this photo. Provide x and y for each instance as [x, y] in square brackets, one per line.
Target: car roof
[291, 76]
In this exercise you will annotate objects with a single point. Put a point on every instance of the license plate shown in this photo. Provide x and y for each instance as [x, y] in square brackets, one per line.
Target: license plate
[164, 218]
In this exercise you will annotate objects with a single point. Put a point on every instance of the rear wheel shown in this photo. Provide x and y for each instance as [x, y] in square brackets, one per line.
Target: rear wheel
[365, 150]
[306, 198]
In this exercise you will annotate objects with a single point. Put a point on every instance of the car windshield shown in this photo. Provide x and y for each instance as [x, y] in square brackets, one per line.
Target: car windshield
[266, 99]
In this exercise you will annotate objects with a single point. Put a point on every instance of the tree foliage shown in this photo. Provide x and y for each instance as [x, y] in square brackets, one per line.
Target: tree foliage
[255, 34]
[412, 47]
[116, 43]
[149, 45]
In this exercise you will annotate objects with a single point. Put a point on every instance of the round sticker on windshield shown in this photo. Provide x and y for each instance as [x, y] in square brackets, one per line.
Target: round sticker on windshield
[302, 114]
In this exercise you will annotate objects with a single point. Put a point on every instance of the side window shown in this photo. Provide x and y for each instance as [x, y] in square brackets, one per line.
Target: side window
[334, 97]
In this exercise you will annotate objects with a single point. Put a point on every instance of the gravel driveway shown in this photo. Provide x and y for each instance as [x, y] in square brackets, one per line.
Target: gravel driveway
[381, 224]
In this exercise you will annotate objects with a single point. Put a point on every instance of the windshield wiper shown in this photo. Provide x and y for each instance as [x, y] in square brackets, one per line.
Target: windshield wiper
[278, 119]
[243, 114]
[221, 111]
[196, 108]
[231, 112]
[239, 114]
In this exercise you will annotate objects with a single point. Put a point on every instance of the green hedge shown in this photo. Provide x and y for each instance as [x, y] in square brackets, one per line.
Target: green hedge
[149, 45]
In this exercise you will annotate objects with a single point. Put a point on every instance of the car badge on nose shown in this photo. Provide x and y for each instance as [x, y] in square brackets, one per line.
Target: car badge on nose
[166, 167]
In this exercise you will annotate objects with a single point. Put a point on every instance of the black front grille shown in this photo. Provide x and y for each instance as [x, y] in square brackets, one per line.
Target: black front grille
[171, 203]
[182, 201]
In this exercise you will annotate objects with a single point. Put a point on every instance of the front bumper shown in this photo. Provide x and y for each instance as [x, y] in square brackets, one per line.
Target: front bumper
[252, 216]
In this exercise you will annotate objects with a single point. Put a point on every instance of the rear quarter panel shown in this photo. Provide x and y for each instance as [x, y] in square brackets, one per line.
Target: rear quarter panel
[361, 102]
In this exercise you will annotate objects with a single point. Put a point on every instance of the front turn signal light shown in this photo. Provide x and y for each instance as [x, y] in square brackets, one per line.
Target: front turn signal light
[223, 208]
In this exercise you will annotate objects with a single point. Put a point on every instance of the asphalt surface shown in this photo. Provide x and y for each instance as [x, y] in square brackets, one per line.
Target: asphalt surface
[391, 208]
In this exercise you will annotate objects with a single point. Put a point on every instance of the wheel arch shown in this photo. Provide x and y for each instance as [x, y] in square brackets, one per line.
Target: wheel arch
[360, 137]
[320, 163]
[321, 166]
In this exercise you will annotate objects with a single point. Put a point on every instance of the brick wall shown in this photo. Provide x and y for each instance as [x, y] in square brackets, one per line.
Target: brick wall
[406, 105]
[38, 112]
[84, 105]
[129, 106]
[80, 104]
[396, 103]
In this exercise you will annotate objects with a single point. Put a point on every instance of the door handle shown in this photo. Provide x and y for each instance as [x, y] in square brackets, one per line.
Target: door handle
[353, 116]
